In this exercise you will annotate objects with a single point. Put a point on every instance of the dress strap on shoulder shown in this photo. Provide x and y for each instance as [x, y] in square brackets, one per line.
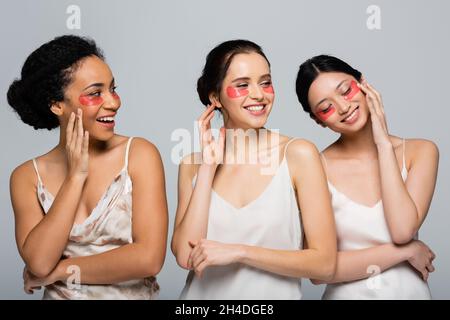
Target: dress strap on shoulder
[287, 145]
[404, 160]
[325, 165]
[37, 171]
[127, 151]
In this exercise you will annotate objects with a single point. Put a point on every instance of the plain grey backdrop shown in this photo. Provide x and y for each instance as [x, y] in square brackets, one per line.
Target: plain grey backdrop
[157, 49]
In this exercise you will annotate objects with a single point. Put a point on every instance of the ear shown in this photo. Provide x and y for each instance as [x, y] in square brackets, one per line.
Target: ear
[213, 97]
[57, 108]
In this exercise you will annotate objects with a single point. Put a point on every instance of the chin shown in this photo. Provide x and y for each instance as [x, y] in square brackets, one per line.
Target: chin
[101, 137]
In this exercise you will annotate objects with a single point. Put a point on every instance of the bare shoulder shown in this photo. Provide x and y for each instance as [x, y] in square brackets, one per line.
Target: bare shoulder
[24, 174]
[140, 146]
[301, 149]
[143, 154]
[421, 146]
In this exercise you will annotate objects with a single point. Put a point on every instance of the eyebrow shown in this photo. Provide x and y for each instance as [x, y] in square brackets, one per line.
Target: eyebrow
[99, 84]
[337, 87]
[247, 78]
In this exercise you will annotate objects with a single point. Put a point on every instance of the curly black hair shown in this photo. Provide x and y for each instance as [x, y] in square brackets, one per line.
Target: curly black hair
[45, 74]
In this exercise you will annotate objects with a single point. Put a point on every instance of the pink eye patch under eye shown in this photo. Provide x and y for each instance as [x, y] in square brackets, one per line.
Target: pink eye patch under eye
[268, 89]
[354, 89]
[236, 92]
[90, 100]
[325, 115]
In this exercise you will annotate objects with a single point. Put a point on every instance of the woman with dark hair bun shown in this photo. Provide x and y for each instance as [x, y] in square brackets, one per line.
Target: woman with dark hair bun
[381, 186]
[91, 213]
[238, 227]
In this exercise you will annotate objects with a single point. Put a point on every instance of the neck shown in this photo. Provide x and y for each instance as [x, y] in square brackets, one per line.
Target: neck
[359, 144]
[246, 146]
[95, 146]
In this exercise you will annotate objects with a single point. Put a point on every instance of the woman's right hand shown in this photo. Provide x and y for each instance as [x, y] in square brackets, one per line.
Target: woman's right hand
[77, 144]
[212, 150]
[421, 257]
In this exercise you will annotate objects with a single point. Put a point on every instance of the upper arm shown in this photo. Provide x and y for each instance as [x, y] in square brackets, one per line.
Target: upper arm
[149, 203]
[27, 209]
[186, 172]
[313, 196]
[422, 175]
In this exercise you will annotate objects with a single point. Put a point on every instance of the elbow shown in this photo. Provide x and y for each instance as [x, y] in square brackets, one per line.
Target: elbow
[40, 269]
[403, 236]
[327, 269]
[182, 259]
[327, 273]
[151, 267]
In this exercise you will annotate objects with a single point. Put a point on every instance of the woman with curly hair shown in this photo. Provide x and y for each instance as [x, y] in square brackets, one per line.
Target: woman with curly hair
[91, 213]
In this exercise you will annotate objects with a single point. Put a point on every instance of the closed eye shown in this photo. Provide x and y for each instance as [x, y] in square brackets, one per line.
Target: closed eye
[326, 110]
[95, 94]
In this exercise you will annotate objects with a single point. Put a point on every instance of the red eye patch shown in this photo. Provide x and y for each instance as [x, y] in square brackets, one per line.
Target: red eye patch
[354, 89]
[324, 115]
[236, 92]
[268, 89]
[88, 101]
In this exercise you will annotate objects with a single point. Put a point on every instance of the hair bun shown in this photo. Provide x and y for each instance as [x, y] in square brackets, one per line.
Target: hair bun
[15, 95]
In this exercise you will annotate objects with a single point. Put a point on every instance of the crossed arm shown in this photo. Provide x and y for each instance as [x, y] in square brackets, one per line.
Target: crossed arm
[193, 251]
[41, 239]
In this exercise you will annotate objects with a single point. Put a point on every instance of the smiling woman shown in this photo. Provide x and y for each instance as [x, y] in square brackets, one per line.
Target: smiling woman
[381, 186]
[88, 204]
[238, 229]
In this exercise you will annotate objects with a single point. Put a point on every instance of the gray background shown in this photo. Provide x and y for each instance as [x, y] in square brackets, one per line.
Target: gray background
[157, 49]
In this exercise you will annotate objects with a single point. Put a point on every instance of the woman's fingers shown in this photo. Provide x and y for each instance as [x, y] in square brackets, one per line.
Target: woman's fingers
[433, 255]
[69, 129]
[208, 110]
[201, 267]
[375, 96]
[430, 267]
[74, 134]
[85, 147]
[375, 92]
[79, 130]
[192, 255]
[204, 128]
[196, 257]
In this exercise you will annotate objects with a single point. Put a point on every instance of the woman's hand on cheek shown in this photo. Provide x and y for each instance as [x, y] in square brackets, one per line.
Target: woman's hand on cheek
[77, 145]
[376, 109]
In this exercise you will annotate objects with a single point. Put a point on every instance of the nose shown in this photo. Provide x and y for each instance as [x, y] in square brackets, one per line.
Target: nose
[343, 107]
[256, 93]
[112, 102]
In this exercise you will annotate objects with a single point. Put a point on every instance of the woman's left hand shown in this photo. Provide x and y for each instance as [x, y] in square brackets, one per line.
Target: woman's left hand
[375, 104]
[206, 253]
[31, 282]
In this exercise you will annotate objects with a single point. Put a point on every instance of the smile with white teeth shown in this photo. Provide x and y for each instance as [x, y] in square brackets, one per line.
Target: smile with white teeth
[255, 108]
[106, 119]
[351, 116]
